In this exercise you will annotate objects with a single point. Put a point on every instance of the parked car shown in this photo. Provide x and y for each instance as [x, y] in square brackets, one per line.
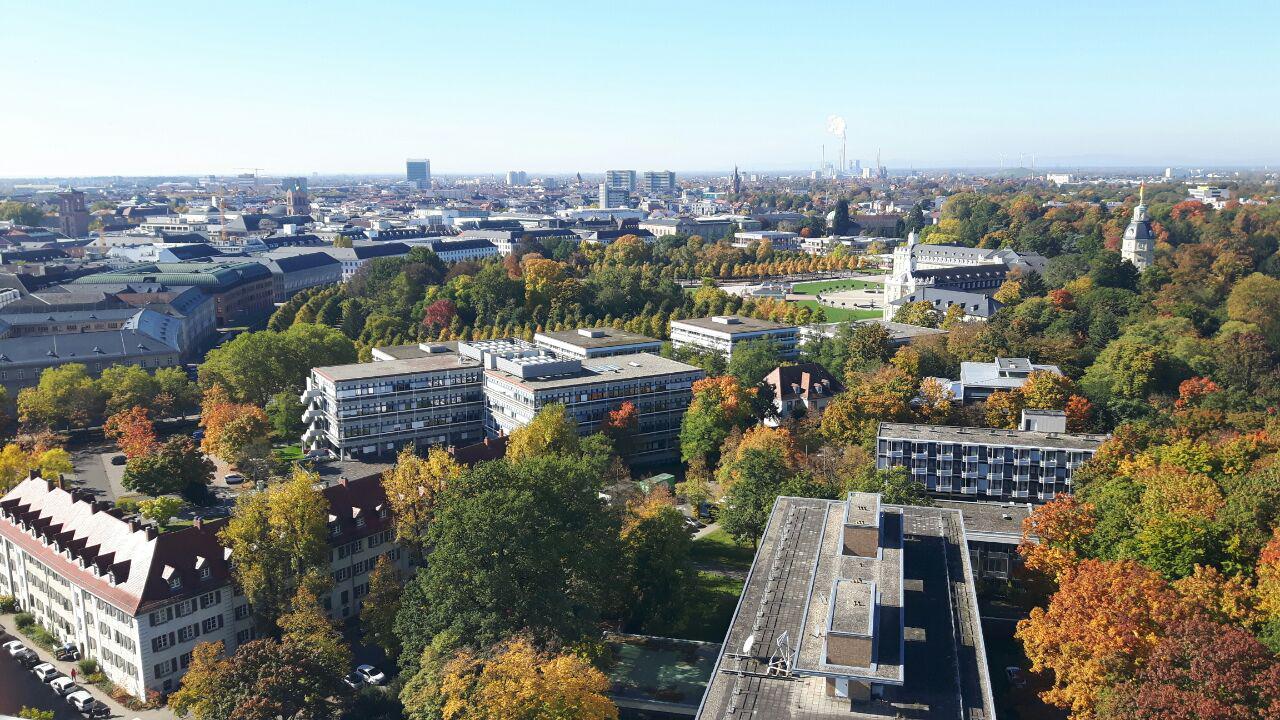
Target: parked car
[82, 701]
[67, 652]
[1016, 678]
[353, 680]
[45, 672]
[64, 686]
[198, 435]
[27, 658]
[119, 460]
[14, 647]
[318, 456]
[233, 478]
[371, 674]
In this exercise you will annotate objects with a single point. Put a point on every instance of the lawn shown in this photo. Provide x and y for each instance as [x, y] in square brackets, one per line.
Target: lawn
[841, 314]
[288, 453]
[813, 288]
[710, 608]
[719, 548]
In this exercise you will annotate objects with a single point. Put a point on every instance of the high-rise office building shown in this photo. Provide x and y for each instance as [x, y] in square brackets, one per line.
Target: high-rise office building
[73, 218]
[517, 177]
[658, 182]
[612, 197]
[621, 179]
[418, 172]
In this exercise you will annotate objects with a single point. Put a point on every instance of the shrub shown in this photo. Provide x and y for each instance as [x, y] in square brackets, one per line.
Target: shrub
[24, 620]
[42, 637]
[88, 666]
[128, 505]
[8, 604]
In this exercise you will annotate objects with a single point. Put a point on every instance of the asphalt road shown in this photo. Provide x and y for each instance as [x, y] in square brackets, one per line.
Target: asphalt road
[19, 689]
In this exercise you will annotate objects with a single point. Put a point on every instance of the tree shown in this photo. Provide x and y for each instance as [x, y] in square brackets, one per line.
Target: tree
[21, 213]
[284, 412]
[16, 462]
[1103, 622]
[840, 218]
[278, 540]
[256, 365]
[1054, 534]
[30, 713]
[161, 509]
[65, 397]
[937, 401]
[175, 395]
[439, 314]
[656, 546]
[550, 431]
[1200, 669]
[263, 680]
[621, 427]
[895, 486]
[307, 627]
[127, 386]
[515, 680]
[176, 466]
[378, 613]
[1256, 300]
[133, 432]
[920, 313]
[235, 432]
[413, 488]
[760, 474]
[1047, 390]
[719, 405]
[516, 547]
[1004, 409]
[753, 360]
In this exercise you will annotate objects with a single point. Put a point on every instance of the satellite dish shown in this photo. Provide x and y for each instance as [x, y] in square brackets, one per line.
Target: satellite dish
[749, 643]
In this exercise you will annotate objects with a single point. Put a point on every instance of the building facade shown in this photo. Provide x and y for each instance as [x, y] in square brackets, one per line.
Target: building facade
[73, 216]
[369, 410]
[722, 333]
[1138, 245]
[624, 180]
[585, 343]
[613, 197]
[418, 172]
[658, 182]
[986, 463]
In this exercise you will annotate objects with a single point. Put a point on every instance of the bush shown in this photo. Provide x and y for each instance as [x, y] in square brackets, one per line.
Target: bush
[128, 505]
[42, 637]
[88, 666]
[24, 620]
[8, 604]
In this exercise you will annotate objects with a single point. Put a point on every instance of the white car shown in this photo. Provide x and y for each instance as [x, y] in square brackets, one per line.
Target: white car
[371, 674]
[64, 686]
[14, 647]
[81, 700]
[233, 478]
[45, 672]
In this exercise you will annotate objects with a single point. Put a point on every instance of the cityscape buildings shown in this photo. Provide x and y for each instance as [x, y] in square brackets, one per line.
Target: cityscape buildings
[418, 172]
[722, 333]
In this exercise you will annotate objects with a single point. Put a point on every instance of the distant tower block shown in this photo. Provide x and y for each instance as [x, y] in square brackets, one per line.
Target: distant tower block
[1138, 245]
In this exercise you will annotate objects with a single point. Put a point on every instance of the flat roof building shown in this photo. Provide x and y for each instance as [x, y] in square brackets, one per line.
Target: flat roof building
[854, 609]
[597, 342]
[986, 463]
[722, 333]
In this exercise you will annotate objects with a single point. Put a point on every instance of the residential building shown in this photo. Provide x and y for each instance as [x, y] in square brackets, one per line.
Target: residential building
[418, 172]
[409, 396]
[139, 601]
[978, 380]
[521, 379]
[722, 333]
[73, 216]
[707, 228]
[624, 180]
[986, 463]
[1138, 245]
[588, 343]
[613, 197]
[517, 178]
[241, 289]
[291, 274]
[855, 609]
[658, 182]
[800, 390]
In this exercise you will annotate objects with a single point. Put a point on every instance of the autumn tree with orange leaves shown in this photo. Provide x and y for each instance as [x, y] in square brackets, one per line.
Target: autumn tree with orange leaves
[1053, 536]
[719, 405]
[133, 432]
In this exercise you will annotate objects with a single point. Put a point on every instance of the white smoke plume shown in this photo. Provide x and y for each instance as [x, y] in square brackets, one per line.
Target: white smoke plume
[836, 125]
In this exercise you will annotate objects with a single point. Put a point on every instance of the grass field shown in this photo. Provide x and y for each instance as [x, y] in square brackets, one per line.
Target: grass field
[841, 314]
[719, 548]
[813, 288]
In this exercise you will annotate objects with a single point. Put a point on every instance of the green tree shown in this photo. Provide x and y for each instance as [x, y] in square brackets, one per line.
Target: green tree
[30, 713]
[760, 476]
[656, 546]
[127, 386]
[21, 213]
[65, 397]
[263, 680]
[175, 393]
[920, 312]
[1256, 300]
[177, 466]
[256, 365]
[278, 540]
[516, 546]
[550, 431]
[378, 613]
[840, 218]
[754, 359]
[895, 486]
[161, 509]
[285, 413]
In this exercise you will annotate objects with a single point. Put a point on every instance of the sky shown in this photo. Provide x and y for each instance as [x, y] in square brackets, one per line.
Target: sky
[150, 88]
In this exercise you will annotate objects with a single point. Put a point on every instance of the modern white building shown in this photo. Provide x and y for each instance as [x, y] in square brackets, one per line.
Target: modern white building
[780, 239]
[517, 178]
[658, 182]
[621, 180]
[613, 197]
[585, 343]
[415, 395]
[722, 333]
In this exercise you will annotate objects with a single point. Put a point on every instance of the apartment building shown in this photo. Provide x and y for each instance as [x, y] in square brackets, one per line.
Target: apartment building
[520, 379]
[722, 333]
[139, 601]
[411, 395]
[988, 463]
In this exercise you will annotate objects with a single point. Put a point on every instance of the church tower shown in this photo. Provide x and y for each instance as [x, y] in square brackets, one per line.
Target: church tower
[1138, 246]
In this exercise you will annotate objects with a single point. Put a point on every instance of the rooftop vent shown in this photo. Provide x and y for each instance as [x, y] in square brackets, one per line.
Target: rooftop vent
[591, 332]
[727, 320]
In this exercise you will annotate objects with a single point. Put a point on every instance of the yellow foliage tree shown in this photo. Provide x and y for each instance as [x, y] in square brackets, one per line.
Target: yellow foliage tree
[413, 487]
[517, 682]
[551, 430]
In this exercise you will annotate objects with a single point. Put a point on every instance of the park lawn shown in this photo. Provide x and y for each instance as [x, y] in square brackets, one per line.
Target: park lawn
[710, 607]
[841, 314]
[813, 288]
[719, 548]
[288, 453]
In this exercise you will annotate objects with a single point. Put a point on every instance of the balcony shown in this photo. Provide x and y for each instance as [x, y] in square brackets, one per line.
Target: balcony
[310, 394]
[312, 412]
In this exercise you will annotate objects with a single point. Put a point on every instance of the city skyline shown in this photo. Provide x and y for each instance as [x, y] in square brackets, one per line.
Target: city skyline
[482, 90]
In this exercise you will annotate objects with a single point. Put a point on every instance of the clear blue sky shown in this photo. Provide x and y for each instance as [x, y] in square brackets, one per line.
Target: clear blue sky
[148, 87]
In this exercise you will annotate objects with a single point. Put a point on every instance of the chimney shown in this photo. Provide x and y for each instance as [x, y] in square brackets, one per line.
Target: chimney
[342, 481]
[151, 532]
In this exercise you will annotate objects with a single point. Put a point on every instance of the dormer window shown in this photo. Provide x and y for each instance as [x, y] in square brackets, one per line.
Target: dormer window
[206, 573]
[175, 583]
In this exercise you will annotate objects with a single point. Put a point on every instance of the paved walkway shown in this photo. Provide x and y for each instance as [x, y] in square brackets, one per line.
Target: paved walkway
[117, 710]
